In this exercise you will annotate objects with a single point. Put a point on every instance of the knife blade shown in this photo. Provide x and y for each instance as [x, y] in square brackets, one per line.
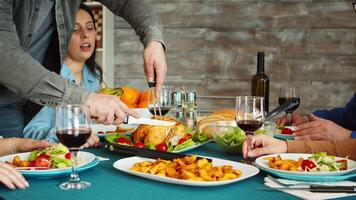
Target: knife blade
[132, 120]
[320, 188]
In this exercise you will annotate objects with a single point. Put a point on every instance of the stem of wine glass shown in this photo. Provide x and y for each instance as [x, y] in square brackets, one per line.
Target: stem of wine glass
[74, 177]
[289, 119]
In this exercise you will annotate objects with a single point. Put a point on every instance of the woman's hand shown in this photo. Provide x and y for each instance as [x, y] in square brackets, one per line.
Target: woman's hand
[261, 144]
[296, 119]
[321, 129]
[27, 144]
[155, 64]
[12, 178]
[93, 141]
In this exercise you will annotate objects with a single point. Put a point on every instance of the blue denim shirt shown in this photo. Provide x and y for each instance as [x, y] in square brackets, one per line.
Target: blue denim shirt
[345, 116]
[42, 126]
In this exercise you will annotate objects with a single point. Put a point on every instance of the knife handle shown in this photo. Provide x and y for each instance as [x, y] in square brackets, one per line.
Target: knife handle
[126, 119]
[333, 189]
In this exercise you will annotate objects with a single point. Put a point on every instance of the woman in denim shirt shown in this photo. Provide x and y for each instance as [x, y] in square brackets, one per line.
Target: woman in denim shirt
[80, 68]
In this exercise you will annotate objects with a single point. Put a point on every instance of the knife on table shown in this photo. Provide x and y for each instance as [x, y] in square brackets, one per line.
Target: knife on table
[320, 188]
[132, 120]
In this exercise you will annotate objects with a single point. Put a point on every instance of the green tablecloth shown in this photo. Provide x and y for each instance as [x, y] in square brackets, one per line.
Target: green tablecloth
[109, 183]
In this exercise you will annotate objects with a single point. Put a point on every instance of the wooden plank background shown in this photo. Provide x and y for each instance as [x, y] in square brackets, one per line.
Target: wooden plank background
[212, 46]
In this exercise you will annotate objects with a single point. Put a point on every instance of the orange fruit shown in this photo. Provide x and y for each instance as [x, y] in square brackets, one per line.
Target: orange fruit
[130, 95]
[144, 96]
[143, 104]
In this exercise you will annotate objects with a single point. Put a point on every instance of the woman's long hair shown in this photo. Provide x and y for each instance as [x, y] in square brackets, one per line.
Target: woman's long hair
[94, 68]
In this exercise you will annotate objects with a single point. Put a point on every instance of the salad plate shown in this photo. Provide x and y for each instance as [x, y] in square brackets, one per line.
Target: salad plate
[248, 171]
[262, 163]
[86, 161]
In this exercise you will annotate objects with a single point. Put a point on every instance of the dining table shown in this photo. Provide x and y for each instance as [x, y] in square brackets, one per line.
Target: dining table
[110, 183]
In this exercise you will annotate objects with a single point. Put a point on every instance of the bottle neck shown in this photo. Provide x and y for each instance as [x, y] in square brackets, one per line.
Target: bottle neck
[260, 62]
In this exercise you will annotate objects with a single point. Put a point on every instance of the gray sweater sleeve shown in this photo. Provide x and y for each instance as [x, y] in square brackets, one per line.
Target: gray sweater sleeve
[140, 15]
[23, 75]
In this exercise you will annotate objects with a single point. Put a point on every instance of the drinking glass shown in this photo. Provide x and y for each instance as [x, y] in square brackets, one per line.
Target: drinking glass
[163, 102]
[73, 129]
[249, 113]
[287, 94]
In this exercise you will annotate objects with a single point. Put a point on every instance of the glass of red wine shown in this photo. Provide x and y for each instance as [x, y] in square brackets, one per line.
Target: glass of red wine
[73, 129]
[249, 113]
[287, 94]
[163, 102]
[249, 117]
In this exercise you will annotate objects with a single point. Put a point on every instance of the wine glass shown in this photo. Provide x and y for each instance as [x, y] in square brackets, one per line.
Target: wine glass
[163, 102]
[249, 117]
[73, 129]
[249, 113]
[288, 94]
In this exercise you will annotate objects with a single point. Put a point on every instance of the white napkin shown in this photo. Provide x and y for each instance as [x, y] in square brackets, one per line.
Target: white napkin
[305, 194]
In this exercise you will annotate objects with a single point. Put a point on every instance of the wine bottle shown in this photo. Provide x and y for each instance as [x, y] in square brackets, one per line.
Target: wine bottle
[260, 81]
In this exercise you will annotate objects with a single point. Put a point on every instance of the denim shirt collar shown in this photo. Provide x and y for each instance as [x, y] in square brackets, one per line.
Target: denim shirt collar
[89, 80]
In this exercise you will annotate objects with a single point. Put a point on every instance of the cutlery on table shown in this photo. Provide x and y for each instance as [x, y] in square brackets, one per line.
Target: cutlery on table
[311, 187]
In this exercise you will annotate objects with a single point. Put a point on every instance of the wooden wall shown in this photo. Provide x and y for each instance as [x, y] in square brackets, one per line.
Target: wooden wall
[212, 46]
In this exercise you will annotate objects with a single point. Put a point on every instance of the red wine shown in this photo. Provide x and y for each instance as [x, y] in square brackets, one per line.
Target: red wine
[260, 81]
[164, 110]
[249, 125]
[73, 137]
[282, 100]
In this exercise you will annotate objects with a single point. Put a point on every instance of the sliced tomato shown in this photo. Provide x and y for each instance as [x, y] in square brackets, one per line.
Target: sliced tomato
[68, 156]
[42, 162]
[139, 145]
[123, 140]
[182, 140]
[308, 165]
[45, 156]
[344, 162]
[287, 131]
[162, 147]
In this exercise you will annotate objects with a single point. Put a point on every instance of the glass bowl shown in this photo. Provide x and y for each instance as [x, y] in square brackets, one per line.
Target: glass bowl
[230, 138]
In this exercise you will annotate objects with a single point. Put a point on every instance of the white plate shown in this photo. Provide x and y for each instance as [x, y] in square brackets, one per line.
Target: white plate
[263, 164]
[125, 164]
[83, 157]
[142, 112]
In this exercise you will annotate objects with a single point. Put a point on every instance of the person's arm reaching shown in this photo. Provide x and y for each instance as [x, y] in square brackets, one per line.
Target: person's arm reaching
[148, 27]
[261, 145]
[23, 75]
[341, 148]
[345, 116]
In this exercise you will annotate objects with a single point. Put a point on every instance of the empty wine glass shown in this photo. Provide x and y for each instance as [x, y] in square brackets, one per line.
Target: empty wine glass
[287, 94]
[73, 129]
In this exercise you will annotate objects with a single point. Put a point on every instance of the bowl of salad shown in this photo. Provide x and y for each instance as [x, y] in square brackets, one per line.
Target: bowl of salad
[230, 138]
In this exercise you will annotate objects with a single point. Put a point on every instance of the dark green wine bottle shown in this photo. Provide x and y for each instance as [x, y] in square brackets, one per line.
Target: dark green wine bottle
[260, 81]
